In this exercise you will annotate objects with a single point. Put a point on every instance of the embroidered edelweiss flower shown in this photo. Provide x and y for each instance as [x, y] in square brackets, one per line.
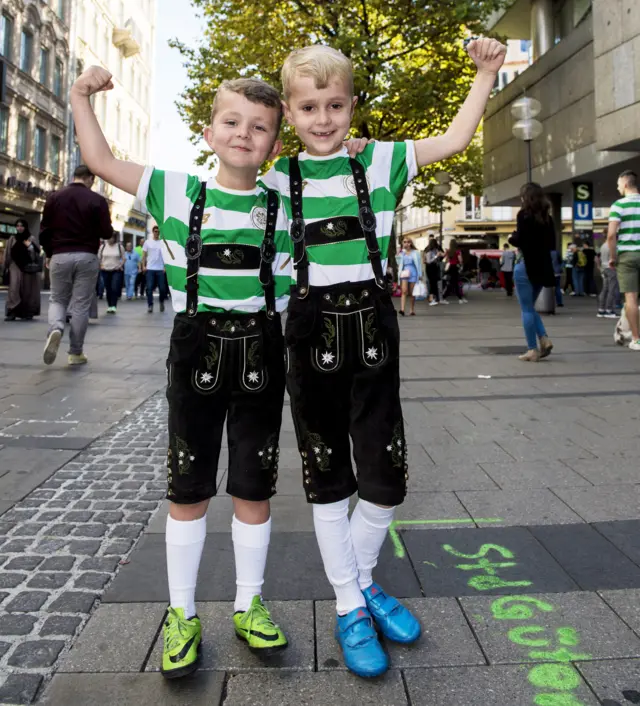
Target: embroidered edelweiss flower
[329, 451]
[227, 253]
[330, 226]
[316, 450]
[260, 453]
[180, 462]
[389, 447]
[206, 377]
[192, 458]
[327, 358]
[233, 329]
[253, 377]
[270, 449]
[372, 353]
[181, 454]
[399, 442]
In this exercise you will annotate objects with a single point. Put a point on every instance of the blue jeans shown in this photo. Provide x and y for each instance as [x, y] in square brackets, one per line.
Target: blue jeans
[112, 285]
[156, 277]
[559, 301]
[578, 281]
[130, 282]
[527, 295]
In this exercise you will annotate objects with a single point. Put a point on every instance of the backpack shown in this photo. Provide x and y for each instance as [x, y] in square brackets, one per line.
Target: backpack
[581, 259]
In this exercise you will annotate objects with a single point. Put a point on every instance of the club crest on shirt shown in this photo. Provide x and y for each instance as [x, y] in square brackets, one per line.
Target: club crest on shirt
[259, 217]
[350, 184]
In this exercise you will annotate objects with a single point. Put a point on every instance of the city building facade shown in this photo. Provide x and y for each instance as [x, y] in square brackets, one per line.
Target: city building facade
[120, 36]
[34, 65]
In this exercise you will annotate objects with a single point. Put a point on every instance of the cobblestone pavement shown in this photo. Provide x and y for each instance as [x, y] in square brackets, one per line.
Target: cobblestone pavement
[518, 545]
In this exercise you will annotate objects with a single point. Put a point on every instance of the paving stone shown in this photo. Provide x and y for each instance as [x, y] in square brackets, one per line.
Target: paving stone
[449, 476]
[223, 651]
[109, 518]
[300, 689]
[603, 504]
[139, 517]
[16, 624]
[116, 639]
[625, 604]
[99, 563]
[17, 546]
[8, 580]
[533, 474]
[119, 547]
[78, 516]
[90, 530]
[489, 686]
[518, 507]
[623, 534]
[29, 529]
[49, 515]
[27, 602]
[18, 515]
[6, 527]
[48, 580]
[73, 602]
[128, 531]
[437, 554]
[61, 530]
[101, 494]
[92, 580]
[49, 546]
[588, 557]
[85, 546]
[58, 563]
[60, 625]
[20, 688]
[145, 506]
[200, 689]
[144, 578]
[82, 505]
[4, 648]
[600, 634]
[36, 653]
[615, 683]
[107, 505]
[446, 638]
[24, 563]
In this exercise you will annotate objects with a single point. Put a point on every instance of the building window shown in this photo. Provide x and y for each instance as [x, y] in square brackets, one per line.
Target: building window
[21, 143]
[26, 51]
[58, 73]
[54, 154]
[44, 66]
[41, 148]
[525, 44]
[6, 36]
[60, 9]
[4, 128]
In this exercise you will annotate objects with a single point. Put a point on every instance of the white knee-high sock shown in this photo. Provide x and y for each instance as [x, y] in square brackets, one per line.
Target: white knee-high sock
[334, 539]
[185, 541]
[250, 547]
[369, 526]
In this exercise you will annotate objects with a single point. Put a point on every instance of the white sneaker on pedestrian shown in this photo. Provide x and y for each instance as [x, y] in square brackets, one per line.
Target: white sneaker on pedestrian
[634, 346]
[611, 315]
[434, 303]
[444, 301]
[51, 346]
[600, 314]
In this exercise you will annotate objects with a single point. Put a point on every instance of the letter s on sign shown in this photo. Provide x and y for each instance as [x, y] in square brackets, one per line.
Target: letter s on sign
[582, 192]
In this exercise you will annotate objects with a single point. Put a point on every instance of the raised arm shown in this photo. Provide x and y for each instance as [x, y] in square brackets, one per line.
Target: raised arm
[488, 55]
[96, 153]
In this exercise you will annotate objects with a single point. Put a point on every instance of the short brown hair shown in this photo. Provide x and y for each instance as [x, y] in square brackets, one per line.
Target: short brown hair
[631, 177]
[254, 90]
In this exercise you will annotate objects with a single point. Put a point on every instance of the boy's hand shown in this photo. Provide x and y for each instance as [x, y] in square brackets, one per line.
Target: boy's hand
[356, 145]
[93, 80]
[487, 54]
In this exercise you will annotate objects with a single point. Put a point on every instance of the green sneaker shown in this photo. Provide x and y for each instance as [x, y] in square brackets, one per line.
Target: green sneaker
[256, 628]
[181, 644]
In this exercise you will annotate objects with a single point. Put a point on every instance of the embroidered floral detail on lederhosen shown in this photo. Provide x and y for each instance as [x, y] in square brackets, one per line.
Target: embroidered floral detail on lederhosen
[315, 454]
[398, 450]
[327, 353]
[230, 256]
[373, 347]
[180, 455]
[270, 456]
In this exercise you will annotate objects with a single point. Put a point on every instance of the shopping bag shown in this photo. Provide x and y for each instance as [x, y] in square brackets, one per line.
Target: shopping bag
[420, 291]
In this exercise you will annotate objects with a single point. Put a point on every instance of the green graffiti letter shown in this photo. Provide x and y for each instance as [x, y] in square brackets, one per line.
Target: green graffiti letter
[487, 566]
[517, 635]
[557, 700]
[486, 583]
[484, 550]
[568, 636]
[561, 655]
[554, 676]
[502, 611]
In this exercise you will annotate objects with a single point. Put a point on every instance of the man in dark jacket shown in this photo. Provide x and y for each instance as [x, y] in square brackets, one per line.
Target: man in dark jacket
[74, 221]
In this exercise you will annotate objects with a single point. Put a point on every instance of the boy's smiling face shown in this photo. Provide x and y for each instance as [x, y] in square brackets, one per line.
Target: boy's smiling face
[321, 116]
[242, 133]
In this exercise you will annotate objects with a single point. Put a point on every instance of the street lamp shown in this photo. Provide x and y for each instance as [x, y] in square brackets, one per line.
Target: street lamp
[441, 189]
[527, 128]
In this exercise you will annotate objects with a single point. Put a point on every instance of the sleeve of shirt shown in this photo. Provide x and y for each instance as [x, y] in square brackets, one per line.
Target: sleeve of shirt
[397, 161]
[615, 215]
[270, 179]
[144, 247]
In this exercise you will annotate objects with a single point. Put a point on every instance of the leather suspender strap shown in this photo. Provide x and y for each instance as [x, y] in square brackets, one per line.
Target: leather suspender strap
[268, 255]
[300, 259]
[193, 250]
[367, 219]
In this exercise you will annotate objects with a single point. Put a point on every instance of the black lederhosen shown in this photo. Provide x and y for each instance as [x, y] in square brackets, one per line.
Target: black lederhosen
[343, 367]
[225, 366]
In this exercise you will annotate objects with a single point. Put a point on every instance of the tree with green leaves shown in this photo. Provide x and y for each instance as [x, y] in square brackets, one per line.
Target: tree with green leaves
[412, 72]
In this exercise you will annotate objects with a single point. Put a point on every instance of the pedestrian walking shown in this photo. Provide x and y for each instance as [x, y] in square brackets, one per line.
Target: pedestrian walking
[153, 266]
[453, 268]
[507, 263]
[579, 269]
[74, 221]
[25, 274]
[569, 264]
[623, 239]
[557, 271]
[485, 268]
[431, 258]
[132, 267]
[410, 271]
[111, 256]
[535, 239]
[590, 288]
[141, 277]
[610, 293]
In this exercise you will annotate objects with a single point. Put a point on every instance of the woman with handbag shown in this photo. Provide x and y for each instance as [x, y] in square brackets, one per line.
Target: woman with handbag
[25, 278]
[453, 268]
[111, 256]
[410, 272]
[432, 256]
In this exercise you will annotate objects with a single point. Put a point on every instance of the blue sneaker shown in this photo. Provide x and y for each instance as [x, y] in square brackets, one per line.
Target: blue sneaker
[363, 654]
[394, 620]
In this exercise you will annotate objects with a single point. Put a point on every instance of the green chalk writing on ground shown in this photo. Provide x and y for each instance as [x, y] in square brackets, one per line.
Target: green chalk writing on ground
[484, 550]
[523, 611]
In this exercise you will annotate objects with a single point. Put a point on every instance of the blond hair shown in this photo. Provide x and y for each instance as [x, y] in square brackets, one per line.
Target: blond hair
[318, 62]
[254, 90]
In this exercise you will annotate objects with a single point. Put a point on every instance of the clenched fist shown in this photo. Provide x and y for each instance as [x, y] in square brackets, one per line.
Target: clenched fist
[93, 80]
[487, 54]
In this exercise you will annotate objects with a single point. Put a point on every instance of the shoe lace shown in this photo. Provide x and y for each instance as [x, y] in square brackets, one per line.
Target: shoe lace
[259, 617]
[177, 630]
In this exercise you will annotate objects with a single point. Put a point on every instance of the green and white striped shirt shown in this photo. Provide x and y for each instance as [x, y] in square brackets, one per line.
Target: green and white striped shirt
[232, 233]
[626, 212]
[329, 194]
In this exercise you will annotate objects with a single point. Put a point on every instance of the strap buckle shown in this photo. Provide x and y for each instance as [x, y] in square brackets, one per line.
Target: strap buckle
[367, 219]
[193, 246]
[268, 251]
[297, 230]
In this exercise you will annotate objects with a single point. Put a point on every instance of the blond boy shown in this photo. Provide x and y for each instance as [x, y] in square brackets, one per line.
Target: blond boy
[342, 332]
